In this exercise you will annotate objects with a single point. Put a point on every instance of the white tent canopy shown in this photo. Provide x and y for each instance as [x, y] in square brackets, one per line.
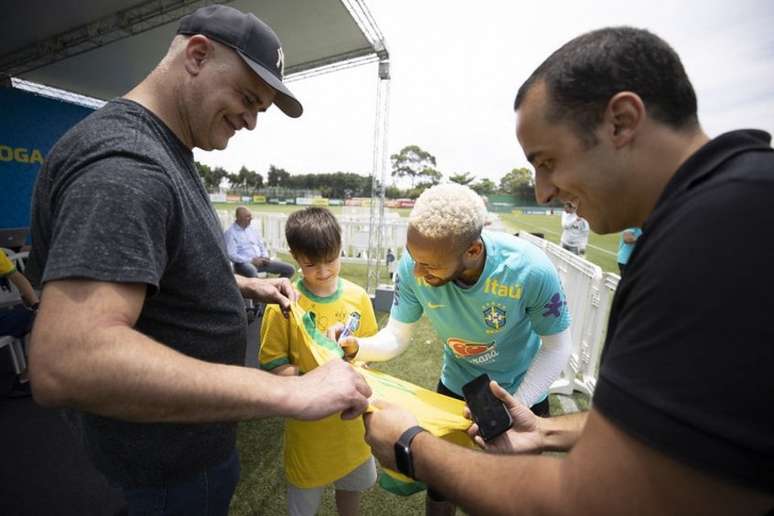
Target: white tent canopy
[101, 48]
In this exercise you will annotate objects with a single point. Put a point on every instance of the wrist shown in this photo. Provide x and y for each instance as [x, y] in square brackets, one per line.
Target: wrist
[403, 449]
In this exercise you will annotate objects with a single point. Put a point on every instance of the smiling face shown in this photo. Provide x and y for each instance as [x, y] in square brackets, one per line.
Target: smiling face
[591, 178]
[225, 95]
[439, 261]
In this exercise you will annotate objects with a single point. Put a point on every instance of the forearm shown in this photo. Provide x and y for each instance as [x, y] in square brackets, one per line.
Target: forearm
[120, 373]
[388, 343]
[25, 289]
[483, 483]
[560, 433]
[545, 368]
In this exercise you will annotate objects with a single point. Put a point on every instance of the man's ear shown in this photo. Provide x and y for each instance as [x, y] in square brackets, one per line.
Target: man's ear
[474, 249]
[198, 50]
[624, 114]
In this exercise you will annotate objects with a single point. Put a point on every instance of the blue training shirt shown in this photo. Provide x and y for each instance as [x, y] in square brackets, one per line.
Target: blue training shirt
[493, 326]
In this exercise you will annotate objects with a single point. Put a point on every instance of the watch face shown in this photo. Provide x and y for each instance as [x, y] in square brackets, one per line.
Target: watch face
[403, 460]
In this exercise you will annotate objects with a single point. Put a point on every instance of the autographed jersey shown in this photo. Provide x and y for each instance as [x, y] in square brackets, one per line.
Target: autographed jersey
[493, 326]
[318, 452]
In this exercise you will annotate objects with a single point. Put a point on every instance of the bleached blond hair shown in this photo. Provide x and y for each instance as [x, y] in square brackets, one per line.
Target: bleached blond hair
[449, 211]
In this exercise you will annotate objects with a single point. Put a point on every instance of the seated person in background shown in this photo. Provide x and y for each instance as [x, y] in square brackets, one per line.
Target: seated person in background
[575, 231]
[249, 252]
[17, 320]
[331, 450]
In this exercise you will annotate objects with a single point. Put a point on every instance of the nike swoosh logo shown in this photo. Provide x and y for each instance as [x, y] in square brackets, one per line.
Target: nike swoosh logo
[433, 305]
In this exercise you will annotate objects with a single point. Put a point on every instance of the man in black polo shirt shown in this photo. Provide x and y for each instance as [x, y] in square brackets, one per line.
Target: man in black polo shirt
[682, 419]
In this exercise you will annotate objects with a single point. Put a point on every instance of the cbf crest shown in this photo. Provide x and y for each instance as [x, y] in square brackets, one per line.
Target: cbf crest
[495, 316]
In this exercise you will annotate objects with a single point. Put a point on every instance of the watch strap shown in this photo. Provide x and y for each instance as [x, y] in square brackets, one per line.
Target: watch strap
[403, 457]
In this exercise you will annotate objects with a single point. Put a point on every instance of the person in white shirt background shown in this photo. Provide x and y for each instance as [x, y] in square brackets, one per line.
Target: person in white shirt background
[575, 231]
[247, 250]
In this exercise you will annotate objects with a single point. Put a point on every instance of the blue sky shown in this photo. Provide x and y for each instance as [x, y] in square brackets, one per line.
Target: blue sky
[456, 69]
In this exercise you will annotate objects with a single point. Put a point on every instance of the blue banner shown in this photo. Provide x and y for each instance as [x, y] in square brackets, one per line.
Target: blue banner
[29, 126]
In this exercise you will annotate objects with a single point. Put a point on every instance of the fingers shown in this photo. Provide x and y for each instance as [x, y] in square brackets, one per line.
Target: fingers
[334, 331]
[358, 407]
[502, 394]
[466, 413]
[351, 346]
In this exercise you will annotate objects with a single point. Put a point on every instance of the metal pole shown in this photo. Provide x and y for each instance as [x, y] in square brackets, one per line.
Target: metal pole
[378, 180]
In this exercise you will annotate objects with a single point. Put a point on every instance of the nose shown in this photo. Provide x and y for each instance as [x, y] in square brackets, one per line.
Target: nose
[545, 191]
[251, 119]
[419, 270]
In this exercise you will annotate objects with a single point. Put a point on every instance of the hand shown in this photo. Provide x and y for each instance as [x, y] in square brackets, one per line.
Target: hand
[523, 437]
[331, 388]
[270, 290]
[260, 261]
[350, 345]
[384, 427]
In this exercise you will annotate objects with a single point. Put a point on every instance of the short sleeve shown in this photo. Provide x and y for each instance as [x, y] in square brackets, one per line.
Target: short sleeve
[111, 223]
[275, 336]
[405, 305]
[368, 325]
[6, 265]
[546, 301]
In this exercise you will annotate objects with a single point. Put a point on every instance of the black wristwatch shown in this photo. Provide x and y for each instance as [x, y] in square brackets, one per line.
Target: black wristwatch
[403, 457]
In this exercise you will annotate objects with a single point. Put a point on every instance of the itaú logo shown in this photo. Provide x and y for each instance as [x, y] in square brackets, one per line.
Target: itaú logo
[20, 154]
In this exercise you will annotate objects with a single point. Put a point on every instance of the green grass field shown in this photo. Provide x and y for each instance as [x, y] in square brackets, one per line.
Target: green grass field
[601, 250]
[261, 490]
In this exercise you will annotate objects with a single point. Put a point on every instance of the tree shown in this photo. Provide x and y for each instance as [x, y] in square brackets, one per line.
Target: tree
[463, 178]
[218, 173]
[210, 176]
[515, 180]
[246, 180]
[484, 187]
[277, 176]
[413, 162]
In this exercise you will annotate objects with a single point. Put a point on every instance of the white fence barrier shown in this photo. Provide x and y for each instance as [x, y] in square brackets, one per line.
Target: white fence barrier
[354, 232]
[589, 293]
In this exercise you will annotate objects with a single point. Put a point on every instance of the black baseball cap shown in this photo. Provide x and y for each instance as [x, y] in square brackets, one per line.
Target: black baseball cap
[252, 39]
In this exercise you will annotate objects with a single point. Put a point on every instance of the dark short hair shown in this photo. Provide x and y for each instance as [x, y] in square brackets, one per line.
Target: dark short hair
[586, 72]
[313, 233]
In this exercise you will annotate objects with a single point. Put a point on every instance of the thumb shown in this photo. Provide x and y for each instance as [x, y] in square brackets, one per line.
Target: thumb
[502, 394]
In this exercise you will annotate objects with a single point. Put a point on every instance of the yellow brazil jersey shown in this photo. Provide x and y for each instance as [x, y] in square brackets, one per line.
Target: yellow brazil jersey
[317, 452]
[6, 265]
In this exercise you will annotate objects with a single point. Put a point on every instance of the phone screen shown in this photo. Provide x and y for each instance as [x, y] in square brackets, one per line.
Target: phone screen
[488, 412]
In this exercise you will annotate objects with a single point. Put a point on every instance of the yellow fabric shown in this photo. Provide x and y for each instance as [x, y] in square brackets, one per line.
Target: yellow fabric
[317, 452]
[6, 265]
[439, 414]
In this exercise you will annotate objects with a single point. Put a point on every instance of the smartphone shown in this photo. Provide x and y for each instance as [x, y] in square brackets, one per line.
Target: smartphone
[488, 412]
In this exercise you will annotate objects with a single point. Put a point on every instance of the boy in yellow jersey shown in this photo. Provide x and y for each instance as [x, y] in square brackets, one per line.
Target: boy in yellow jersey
[331, 450]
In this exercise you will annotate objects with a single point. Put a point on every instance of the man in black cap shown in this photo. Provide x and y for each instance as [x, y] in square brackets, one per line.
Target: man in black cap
[142, 324]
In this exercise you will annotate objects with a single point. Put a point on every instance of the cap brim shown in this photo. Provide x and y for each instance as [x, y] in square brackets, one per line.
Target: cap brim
[284, 100]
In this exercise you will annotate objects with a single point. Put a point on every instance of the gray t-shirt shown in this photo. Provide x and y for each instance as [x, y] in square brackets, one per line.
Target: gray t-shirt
[119, 200]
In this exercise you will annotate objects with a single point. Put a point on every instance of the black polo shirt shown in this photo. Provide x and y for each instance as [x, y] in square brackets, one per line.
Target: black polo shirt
[688, 365]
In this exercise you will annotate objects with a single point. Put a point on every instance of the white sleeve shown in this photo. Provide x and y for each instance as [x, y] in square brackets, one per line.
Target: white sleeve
[547, 366]
[388, 343]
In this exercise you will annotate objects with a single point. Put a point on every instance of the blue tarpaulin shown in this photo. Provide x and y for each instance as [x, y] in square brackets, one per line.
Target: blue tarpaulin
[30, 124]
